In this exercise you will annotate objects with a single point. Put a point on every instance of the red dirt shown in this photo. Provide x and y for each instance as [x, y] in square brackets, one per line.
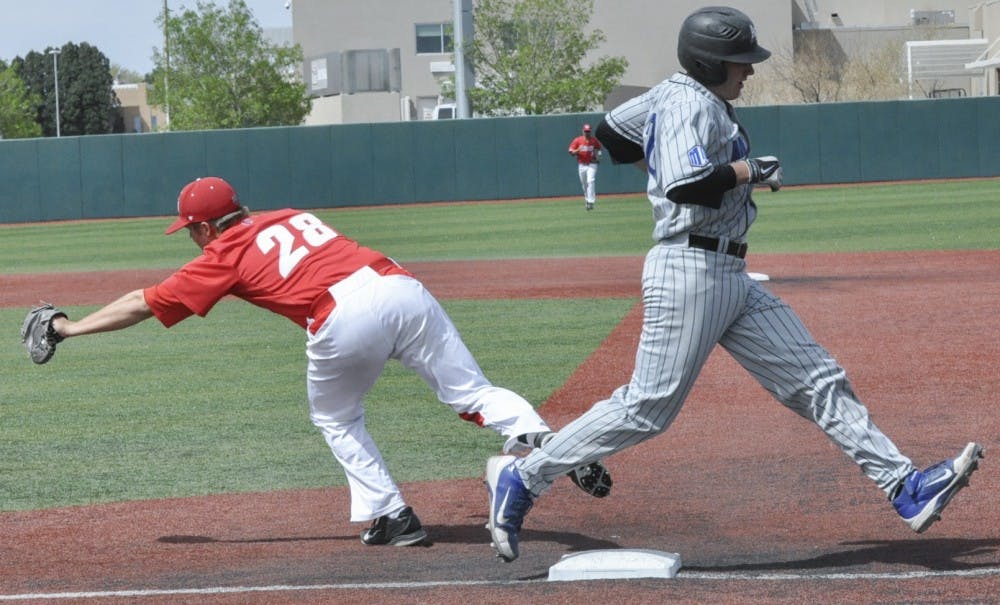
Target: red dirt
[760, 505]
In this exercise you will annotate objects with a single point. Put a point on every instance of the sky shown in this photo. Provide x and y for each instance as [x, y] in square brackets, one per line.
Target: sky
[124, 30]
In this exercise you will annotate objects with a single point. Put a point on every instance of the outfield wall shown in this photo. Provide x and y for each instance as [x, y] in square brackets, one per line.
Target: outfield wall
[478, 159]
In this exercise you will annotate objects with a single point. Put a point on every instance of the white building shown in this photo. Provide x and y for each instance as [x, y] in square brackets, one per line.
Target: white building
[387, 60]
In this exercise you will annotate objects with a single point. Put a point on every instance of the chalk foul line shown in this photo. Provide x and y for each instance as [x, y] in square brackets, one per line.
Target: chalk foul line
[681, 575]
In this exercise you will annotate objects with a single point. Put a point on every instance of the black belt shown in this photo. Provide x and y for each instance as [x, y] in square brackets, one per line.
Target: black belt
[712, 243]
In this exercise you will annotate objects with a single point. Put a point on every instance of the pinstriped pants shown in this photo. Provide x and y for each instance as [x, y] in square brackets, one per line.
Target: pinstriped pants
[694, 299]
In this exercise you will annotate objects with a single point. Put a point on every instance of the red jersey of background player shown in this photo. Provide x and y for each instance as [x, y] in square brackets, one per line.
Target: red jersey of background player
[282, 261]
[586, 147]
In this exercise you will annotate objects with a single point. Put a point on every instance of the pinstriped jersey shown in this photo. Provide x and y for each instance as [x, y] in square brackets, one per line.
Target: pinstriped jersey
[686, 131]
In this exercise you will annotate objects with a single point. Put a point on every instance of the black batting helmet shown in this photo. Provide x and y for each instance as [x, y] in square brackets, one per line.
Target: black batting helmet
[715, 34]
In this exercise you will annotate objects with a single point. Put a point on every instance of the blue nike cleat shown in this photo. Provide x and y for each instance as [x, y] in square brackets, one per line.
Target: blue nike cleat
[924, 494]
[510, 501]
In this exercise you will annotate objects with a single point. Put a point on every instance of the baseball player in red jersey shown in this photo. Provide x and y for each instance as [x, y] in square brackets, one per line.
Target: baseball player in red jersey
[587, 150]
[359, 309]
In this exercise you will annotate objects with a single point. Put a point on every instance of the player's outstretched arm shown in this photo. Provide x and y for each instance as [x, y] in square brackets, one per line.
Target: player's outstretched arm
[127, 311]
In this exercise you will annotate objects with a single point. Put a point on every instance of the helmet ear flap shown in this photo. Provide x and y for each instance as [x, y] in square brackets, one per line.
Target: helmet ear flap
[709, 73]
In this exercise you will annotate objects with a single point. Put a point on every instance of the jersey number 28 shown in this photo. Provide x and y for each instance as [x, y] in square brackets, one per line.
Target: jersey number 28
[313, 231]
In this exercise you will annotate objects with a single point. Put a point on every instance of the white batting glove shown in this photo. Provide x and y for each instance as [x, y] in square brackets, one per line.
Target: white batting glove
[765, 170]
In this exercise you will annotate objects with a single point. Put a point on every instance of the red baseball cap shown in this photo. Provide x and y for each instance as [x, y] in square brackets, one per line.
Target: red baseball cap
[586, 127]
[204, 199]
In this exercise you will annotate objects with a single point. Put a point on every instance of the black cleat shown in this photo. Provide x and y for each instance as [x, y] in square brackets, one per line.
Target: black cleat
[402, 531]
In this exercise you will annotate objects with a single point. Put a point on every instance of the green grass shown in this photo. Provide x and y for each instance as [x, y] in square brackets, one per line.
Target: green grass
[101, 245]
[917, 216]
[912, 216]
[218, 405]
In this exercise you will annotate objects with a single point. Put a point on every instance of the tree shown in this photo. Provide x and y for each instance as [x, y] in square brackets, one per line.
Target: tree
[87, 103]
[123, 75]
[17, 107]
[222, 73]
[528, 58]
[876, 74]
[815, 72]
[819, 71]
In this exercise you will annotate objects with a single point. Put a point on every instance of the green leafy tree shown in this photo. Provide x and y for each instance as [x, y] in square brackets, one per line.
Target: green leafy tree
[528, 58]
[17, 107]
[222, 73]
[123, 75]
[87, 103]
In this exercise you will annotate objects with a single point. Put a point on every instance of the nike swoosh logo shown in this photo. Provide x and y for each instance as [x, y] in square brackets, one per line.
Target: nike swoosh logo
[501, 520]
[948, 474]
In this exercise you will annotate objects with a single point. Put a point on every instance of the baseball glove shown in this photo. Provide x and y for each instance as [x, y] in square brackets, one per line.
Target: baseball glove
[592, 478]
[38, 335]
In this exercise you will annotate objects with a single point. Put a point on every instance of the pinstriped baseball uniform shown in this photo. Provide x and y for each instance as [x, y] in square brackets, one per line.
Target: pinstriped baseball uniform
[695, 298]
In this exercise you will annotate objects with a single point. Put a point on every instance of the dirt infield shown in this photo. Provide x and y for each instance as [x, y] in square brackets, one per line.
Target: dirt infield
[761, 507]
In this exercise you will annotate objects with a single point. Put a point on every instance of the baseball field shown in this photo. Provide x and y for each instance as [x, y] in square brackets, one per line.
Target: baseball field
[179, 466]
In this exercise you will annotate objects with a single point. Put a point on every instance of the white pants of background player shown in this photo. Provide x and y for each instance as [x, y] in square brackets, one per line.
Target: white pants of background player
[588, 181]
[395, 317]
[694, 299]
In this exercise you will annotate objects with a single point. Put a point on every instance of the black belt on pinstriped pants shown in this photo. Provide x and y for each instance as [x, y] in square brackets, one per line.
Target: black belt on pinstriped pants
[712, 243]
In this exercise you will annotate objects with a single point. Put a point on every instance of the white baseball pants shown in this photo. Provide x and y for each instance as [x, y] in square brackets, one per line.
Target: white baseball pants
[394, 317]
[588, 181]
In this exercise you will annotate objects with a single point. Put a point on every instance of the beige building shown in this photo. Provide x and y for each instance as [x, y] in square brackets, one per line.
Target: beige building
[948, 48]
[984, 22]
[138, 115]
[389, 60]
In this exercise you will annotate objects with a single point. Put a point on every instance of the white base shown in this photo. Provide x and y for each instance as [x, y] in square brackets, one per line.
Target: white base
[759, 276]
[611, 564]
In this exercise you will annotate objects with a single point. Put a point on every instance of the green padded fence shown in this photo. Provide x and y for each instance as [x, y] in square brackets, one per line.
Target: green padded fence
[477, 159]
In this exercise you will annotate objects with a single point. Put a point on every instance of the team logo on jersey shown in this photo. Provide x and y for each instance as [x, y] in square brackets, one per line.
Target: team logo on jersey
[652, 157]
[740, 149]
[697, 157]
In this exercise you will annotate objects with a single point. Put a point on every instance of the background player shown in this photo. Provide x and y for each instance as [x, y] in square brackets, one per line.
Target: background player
[587, 150]
[359, 309]
[696, 294]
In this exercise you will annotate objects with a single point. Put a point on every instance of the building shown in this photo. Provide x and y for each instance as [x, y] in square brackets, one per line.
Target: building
[138, 114]
[943, 43]
[984, 22]
[386, 60]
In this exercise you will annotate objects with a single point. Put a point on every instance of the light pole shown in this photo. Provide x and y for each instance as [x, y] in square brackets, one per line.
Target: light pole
[166, 69]
[461, 35]
[55, 68]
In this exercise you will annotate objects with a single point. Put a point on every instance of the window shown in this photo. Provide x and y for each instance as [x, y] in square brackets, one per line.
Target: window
[367, 70]
[434, 38]
[375, 70]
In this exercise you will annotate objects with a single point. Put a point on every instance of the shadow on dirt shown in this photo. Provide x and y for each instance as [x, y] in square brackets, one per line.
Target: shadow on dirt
[935, 554]
[438, 534]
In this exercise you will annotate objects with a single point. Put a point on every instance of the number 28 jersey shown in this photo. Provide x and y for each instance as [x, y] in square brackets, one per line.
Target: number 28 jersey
[282, 261]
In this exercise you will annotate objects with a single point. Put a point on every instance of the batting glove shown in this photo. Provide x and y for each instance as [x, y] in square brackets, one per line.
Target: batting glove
[765, 170]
